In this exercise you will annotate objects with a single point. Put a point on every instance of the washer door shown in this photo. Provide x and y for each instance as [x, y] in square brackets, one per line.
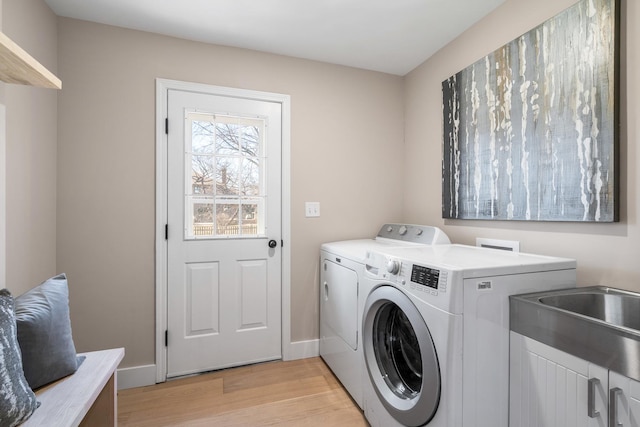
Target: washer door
[400, 357]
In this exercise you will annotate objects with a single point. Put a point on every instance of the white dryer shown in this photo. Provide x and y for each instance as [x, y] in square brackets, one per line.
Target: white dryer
[341, 272]
[436, 331]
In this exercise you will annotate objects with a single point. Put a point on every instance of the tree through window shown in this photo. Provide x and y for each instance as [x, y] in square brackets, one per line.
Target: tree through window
[224, 191]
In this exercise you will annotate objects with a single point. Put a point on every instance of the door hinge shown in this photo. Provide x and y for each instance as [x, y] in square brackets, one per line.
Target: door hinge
[166, 126]
[166, 232]
[166, 338]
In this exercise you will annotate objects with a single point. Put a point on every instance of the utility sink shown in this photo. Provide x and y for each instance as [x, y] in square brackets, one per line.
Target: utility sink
[613, 306]
[598, 324]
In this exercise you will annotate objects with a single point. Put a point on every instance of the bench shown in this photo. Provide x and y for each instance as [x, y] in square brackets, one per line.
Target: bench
[86, 398]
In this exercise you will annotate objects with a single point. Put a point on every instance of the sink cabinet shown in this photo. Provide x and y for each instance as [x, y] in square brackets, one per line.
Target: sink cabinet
[551, 388]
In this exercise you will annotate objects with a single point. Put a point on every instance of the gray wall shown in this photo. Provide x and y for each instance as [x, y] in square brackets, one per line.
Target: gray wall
[31, 136]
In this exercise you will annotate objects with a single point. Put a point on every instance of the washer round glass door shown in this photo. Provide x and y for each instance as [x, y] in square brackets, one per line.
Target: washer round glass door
[400, 356]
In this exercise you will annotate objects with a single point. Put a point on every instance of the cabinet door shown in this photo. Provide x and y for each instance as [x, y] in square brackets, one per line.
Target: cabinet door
[624, 401]
[597, 404]
[550, 388]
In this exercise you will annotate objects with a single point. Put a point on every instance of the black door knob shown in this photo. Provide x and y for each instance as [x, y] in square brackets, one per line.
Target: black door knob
[273, 243]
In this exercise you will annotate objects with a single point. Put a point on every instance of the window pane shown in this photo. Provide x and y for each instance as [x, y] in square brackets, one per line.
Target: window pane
[250, 141]
[202, 137]
[203, 219]
[250, 219]
[227, 219]
[226, 139]
[227, 176]
[202, 171]
[250, 177]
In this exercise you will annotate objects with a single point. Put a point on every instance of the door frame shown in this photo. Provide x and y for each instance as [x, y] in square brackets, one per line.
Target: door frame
[161, 244]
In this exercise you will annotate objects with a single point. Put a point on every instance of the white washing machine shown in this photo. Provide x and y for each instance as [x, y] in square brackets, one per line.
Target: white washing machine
[436, 331]
[341, 272]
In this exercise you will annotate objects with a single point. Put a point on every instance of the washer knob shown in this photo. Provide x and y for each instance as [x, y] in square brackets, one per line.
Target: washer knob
[403, 230]
[393, 266]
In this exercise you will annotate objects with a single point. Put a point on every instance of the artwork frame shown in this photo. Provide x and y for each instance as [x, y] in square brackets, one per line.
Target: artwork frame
[531, 131]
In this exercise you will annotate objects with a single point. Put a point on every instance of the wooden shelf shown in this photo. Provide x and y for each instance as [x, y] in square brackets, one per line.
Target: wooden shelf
[17, 66]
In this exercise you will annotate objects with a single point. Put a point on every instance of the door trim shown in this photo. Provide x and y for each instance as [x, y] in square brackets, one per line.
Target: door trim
[162, 88]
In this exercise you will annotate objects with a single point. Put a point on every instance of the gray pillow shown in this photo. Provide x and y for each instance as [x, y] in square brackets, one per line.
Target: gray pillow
[17, 401]
[44, 332]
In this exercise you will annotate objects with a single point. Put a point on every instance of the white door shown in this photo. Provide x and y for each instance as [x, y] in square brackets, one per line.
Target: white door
[224, 231]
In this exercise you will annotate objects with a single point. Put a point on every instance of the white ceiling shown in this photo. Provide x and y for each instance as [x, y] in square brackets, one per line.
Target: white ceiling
[391, 36]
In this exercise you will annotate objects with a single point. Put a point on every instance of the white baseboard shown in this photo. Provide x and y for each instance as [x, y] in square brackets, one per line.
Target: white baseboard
[137, 376]
[141, 376]
[303, 349]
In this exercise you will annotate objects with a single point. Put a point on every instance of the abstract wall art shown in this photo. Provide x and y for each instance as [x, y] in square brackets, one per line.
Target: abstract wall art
[531, 130]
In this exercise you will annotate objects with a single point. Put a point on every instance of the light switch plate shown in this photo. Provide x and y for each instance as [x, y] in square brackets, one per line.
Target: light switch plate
[312, 209]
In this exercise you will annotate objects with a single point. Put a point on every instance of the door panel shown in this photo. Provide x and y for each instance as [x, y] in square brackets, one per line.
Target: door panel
[253, 295]
[223, 280]
[202, 298]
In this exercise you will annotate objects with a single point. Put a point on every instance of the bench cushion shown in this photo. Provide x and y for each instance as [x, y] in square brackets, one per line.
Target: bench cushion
[44, 332]
[17, 401]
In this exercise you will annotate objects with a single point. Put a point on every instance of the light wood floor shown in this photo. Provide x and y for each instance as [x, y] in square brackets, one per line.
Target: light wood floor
[297, 393]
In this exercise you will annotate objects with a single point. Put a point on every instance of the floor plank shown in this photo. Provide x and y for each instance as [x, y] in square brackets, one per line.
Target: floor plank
[295, 393]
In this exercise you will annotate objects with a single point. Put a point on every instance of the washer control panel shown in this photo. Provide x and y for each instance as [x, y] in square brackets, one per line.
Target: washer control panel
[425, 276]
[416, 277]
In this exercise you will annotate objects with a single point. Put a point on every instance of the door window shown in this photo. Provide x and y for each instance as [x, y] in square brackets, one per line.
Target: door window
[400, 357]
[397, 351]
[225, 188]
